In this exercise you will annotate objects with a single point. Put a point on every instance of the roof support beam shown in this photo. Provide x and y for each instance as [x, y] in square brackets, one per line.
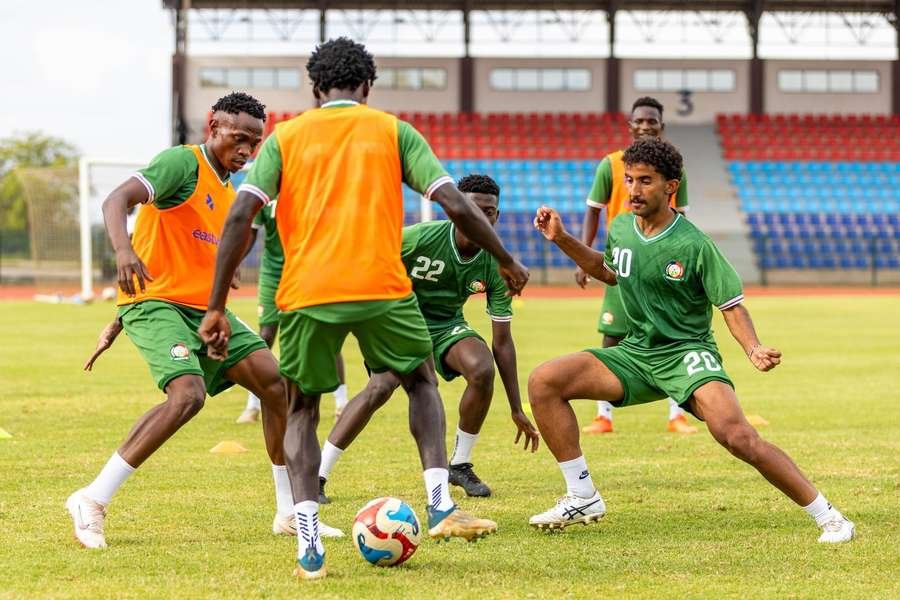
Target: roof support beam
[757, 98]
[466, 65]
[179, 73]
[895, 66]
[613, 84]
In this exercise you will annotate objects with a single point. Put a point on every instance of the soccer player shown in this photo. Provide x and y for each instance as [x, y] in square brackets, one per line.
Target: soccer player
[270, 266]
[670, 274]
[337, 171]
[447, 268]
[609, 192]
[165, 273]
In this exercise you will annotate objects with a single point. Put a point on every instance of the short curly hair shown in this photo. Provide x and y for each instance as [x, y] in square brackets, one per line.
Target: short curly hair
[659, 154]
[649, 102]
[236, 103]
[479, 184]
[340, 64]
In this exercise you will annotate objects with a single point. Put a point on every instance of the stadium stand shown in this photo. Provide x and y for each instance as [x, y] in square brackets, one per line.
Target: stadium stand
[818, 191]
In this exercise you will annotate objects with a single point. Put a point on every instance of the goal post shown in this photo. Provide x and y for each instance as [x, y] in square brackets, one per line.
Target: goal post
[97, 177]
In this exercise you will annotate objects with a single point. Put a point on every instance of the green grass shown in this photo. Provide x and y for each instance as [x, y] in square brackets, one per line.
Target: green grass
[685, 519]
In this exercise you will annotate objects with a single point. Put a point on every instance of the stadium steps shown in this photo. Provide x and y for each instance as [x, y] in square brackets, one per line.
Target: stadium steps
[714, 207]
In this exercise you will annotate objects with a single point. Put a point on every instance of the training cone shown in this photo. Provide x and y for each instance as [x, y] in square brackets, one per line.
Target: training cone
[5, 435]
[518, 303]
[228, 448]
[526, 408]
[757, 421]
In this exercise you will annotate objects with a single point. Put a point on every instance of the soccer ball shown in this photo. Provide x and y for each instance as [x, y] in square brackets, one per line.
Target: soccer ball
[108, 293]
[386, 532]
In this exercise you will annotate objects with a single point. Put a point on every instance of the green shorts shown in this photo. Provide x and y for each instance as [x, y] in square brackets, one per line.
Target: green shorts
[269, 277]
[166, 336]
[443, 339]
[391, 334]
[612, 315]
[671, 372]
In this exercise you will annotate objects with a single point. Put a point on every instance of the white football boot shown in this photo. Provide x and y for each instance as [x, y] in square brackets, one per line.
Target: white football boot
[837, 530]
[286, 525]
[570, 510]
[87, 516]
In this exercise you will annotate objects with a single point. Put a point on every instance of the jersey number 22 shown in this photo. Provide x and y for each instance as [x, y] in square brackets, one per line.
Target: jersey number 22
[422, 270]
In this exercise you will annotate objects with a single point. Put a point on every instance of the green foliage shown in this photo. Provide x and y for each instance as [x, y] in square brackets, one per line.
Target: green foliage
[28, 149]
[685, 519]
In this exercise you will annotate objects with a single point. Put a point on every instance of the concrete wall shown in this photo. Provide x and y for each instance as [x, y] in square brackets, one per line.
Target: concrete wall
[489, 100]
[782, 102]
[705, 104]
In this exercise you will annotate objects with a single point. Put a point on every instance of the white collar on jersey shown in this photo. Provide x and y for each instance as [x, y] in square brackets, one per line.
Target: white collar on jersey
[659, 235]
[341, 102]
[206, 156]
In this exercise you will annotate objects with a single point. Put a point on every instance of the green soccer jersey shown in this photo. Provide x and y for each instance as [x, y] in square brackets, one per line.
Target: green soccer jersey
[669, 282]
[273, 251]
[171, 177]
[443, 280]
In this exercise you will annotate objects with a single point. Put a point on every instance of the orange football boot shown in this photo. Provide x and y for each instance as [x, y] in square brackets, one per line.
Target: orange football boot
[600, 424]
[680, 425]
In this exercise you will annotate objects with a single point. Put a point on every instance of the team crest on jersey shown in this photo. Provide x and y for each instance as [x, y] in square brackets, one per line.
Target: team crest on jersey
[477, 286]
[607, 318]
[179, 352]
[674, 271]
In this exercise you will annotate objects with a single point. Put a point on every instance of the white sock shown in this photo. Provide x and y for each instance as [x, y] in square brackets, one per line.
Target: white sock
[284, 497]
[604, 409]
[675, 411]
[307, 514]
[462, 450]
[330, 455]
[437, 488]
[340, 397]
[110, 479]
[252, 401]
[578, 478]
[821, 510]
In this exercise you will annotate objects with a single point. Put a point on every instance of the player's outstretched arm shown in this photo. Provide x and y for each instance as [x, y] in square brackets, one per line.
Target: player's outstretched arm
[504, 350]
[547, 221]
[106, 339]
[115, 214]
[588, 232]
[739, 323]
[477, 228]
[215, 329]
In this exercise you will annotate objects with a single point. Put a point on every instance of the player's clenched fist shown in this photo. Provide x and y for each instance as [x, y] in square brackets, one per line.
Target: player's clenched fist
[215, 330]
[763, 358]
[516, 275]
[547, 221]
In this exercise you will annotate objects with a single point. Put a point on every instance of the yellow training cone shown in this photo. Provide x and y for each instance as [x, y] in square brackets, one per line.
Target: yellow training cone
[518, 303]
[228, 448]
[5, 435]
[756, 421]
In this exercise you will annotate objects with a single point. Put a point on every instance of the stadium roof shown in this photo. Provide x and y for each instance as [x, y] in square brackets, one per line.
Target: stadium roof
[859, 6]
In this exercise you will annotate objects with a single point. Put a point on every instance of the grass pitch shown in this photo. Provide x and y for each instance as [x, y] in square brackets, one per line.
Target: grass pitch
[685, 519]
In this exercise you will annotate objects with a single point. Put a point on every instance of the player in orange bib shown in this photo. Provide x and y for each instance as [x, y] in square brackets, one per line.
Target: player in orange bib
[165, 275]
[338, 172]
[609, 192]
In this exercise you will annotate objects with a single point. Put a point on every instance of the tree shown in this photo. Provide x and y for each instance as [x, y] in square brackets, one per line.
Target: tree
[28, 149]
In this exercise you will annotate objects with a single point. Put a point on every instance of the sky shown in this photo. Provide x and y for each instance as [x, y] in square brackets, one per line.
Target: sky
[96, 73]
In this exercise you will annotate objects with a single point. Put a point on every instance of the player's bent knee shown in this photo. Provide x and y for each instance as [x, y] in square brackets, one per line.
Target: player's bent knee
[741, 440]
[186, 398]
[541, 386]
[481, 377]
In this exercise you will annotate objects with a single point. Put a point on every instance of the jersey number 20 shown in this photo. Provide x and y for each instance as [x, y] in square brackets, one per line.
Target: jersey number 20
[693, 359]
[422, 270]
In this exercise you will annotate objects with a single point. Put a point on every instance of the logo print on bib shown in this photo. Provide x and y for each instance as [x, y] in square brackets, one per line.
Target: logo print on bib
[674, 271]
[179, 352]
[209, 202]
[477, 286]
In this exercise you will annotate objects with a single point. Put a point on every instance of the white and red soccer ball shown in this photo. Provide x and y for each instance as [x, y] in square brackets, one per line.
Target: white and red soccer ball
[386, 532]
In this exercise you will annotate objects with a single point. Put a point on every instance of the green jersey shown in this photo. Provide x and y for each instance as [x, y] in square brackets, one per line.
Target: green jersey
[669, 282]
[273, 252]
[443, 281]
[171, 177]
